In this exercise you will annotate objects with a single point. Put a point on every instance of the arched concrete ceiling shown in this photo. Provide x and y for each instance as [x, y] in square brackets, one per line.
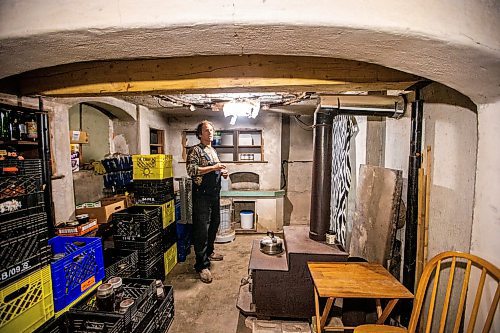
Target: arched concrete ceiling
[452, 42]
[118, 108]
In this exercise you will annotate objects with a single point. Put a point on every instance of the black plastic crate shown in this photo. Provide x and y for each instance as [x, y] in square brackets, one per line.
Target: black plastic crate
[94, 322]
[154, 192]
[21, 206]
[147, 250]
[119, 262]
[14, 167]
[140, 290]
[143, 315]
[155, 270]
[137, 223]
[19, 185]
[23, 247]
[54, 325]
[12, 229]
[169, 236]
[147, 324]
[164, 310]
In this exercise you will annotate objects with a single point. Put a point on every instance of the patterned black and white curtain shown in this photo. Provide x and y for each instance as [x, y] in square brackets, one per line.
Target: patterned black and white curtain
[343, 128]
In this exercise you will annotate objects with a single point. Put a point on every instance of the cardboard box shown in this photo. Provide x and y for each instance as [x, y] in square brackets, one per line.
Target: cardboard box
[103, 213]
[78, 137]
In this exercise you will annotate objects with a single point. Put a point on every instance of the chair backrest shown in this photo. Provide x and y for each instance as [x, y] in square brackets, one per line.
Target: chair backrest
[455, 260]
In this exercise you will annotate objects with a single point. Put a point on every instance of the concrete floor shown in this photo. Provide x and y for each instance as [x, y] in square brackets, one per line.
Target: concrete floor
[211, 308]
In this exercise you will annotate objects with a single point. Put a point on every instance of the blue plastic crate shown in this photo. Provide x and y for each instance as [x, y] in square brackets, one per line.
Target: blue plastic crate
[81, 268]
[184, 232]
[177, 209]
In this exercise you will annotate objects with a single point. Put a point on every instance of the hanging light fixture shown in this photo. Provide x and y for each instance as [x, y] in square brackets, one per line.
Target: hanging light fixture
[241, 108]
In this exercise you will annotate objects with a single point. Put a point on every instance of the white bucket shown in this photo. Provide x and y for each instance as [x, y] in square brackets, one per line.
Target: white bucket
[246, 217]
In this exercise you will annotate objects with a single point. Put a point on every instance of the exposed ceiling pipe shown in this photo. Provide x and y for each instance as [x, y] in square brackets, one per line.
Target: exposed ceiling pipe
[365, 105]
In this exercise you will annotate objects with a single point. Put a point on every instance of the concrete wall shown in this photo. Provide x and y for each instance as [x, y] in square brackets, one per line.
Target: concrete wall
[99, 128]
[270, 123]
[88, 186]
[486, 226]
[148, 119]
[451, 131]
[126, 136]
[297, 202]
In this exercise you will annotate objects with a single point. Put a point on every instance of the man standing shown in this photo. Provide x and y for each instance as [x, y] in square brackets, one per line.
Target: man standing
[204, 167]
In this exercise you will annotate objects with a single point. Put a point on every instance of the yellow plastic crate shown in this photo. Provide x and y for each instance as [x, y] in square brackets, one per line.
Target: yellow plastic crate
[58, 313]
[170, 258]
[152, 167]
[167, 212]
[27, 303]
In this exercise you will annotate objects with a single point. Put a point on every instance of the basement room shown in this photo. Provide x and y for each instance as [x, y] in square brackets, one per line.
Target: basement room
[225, 167]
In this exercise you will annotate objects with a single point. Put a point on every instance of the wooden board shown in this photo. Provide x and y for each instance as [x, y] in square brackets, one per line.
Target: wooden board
[205, 74]
[375, 217]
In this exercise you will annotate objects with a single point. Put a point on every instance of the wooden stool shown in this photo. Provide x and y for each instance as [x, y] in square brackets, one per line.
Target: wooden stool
[379, 329]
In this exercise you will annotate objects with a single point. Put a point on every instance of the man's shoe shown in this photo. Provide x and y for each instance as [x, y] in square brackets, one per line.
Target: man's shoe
[215, 257]
[205, 275]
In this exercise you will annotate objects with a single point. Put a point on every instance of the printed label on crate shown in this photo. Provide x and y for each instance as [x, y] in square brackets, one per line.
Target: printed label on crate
[87, 284]
[15, 270]
[129, 238]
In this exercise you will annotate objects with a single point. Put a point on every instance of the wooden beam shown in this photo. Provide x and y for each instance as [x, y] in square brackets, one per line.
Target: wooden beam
[211, 74]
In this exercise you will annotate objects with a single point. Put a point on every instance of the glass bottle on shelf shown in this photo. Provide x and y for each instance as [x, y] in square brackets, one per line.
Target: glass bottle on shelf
[14, 133]
[31, 127]
[22, 126]
[4, 125]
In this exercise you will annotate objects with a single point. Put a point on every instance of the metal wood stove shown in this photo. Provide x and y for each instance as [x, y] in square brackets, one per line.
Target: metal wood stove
[280, 285]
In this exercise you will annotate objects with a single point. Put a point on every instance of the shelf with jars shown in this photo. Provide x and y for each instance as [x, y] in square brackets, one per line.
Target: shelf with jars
[234, 146]
[19, 131]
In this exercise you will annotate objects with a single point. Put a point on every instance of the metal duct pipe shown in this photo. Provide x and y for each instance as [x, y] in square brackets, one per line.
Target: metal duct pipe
[365, 105]
[321, 174]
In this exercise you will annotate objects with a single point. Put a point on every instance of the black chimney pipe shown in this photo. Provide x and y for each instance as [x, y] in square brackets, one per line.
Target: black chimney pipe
[321, 174]
[415, 161]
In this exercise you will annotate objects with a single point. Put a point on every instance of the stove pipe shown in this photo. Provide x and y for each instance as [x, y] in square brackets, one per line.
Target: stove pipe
[321, 174]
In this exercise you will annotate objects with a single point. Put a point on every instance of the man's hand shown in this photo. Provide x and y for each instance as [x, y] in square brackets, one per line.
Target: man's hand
[219, 166]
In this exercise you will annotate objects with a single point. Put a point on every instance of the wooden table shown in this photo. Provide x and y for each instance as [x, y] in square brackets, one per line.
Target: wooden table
[354, 280]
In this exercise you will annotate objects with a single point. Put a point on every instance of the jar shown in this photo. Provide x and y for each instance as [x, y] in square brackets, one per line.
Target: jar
[125, 305]
[117, 284]
[159, 290]
[331, 238]
[105, 298]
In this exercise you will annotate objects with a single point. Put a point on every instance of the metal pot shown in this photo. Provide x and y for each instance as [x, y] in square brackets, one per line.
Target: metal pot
[271, 244]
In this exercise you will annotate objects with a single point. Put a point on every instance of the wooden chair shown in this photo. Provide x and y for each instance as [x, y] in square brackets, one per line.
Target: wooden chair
[433, 268]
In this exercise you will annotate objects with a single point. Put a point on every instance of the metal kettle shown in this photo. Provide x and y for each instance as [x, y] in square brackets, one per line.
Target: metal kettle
[271, 244]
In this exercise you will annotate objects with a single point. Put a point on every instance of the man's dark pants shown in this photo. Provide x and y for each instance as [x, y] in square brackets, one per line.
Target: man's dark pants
[206, 220]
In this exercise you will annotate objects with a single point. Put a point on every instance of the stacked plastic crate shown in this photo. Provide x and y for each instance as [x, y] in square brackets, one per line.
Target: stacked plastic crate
[77, 269]
[152, 311]
[154, 187]
[26, 300]
[138, 228]
[183, 217]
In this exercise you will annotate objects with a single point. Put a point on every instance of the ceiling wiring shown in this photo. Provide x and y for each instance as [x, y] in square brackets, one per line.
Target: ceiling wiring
[303, 125]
